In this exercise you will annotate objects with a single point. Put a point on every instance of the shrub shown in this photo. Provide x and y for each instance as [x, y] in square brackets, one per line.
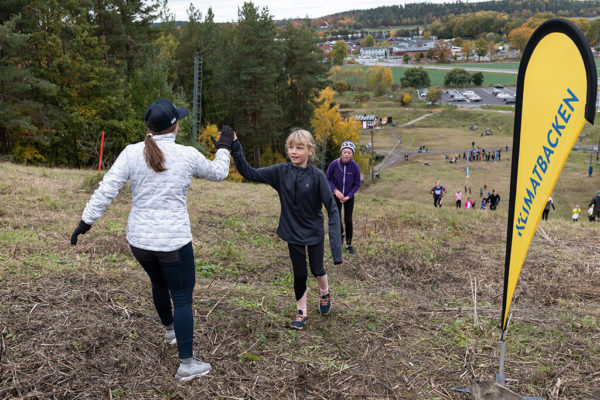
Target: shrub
[405, 99]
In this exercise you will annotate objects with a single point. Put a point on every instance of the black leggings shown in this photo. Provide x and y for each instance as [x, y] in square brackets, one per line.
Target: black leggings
[298, 256]
[437, 201]
[458, 204]
[173, 276]
[348, 208]
[545, 215]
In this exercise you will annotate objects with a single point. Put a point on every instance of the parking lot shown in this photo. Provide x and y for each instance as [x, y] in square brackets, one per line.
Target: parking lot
[473, 97]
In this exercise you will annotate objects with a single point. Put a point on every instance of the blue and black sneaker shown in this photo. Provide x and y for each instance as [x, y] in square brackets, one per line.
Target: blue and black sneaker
[325, 304]
[300, 320]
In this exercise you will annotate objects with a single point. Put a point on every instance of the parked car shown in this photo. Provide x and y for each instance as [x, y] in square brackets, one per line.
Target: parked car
[496, 91]
[510, 100]
[471, 95]
[498, 86]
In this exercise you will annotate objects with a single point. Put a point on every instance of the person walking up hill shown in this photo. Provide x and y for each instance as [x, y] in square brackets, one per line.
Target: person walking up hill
[343, 176]
[160, 172]
[303, 190]
[549, 203]
[596, 204]
[438, 193]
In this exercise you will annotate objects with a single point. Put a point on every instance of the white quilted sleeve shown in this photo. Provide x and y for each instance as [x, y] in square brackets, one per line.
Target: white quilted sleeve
[215, 170]
[107, 190]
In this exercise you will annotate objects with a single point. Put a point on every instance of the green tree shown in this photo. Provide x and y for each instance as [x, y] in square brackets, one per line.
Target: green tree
[481, 47]
[406, 58]
[90, 94]
[212, 44]
[593, 32]
[23, 98]
[477, 78]
[415, 77]
[368, 41]
[304, 73]
[255, 111]
[457, 77]
[124, 28]
[340, 52]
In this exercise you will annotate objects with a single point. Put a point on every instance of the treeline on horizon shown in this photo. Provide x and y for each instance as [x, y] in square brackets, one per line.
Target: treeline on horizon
[70, 70]
[386, 17]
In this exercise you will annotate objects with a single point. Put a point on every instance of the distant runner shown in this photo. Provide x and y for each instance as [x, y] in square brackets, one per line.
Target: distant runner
[438, 192]
[596, 204]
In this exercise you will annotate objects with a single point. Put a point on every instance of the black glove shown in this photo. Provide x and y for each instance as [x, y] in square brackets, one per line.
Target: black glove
[225, 139]
[81, 229]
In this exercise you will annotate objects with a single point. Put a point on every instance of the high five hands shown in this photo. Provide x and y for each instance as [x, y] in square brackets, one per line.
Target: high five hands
[226, 138]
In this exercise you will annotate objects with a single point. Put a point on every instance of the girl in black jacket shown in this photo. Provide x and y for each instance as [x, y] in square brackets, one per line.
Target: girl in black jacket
[303, 189]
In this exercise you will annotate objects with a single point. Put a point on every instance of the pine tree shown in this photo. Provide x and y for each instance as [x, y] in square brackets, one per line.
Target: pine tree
[258, 77]
[304, 72]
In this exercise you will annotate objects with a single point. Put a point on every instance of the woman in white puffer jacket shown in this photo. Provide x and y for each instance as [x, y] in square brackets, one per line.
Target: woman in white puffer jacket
[158, 229]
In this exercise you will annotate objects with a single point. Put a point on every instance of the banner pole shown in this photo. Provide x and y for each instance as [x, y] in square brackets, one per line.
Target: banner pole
[500, 377]
[101, 148]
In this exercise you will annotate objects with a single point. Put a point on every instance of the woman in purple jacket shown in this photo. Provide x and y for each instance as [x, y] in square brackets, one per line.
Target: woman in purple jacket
[343, 175]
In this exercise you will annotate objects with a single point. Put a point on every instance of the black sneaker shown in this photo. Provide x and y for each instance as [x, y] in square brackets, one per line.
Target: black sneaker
[325, 304]
[350, 250]
[299, 321]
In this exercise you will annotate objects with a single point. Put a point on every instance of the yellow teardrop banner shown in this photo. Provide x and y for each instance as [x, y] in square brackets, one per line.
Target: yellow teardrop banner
[556, 94]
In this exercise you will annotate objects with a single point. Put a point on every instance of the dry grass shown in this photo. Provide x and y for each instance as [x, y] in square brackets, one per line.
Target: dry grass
[78, 322]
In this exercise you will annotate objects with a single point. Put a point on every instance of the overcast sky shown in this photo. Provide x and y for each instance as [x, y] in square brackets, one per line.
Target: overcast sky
[226, 10]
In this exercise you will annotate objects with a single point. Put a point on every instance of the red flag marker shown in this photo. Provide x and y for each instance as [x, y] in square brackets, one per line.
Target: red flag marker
[101, 148]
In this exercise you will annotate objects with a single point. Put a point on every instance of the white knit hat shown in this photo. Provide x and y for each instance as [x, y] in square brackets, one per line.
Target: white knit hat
[347, 145]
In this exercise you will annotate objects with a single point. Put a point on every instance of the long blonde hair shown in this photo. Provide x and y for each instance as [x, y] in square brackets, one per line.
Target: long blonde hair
[152, 153]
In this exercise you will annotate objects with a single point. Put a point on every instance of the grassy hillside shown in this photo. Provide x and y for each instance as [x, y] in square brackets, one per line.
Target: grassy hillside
[414, 313]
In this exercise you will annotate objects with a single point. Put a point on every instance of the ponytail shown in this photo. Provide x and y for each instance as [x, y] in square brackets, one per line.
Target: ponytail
[153, 154]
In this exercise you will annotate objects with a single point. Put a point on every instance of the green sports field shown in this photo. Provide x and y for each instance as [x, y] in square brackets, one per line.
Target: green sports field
[437, 75]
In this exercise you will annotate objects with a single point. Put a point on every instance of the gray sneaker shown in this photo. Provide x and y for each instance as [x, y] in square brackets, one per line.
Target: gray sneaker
[170, 336]
[196, 368]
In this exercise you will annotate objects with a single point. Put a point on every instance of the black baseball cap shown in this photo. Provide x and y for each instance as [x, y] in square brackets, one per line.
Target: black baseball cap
[161, 114]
